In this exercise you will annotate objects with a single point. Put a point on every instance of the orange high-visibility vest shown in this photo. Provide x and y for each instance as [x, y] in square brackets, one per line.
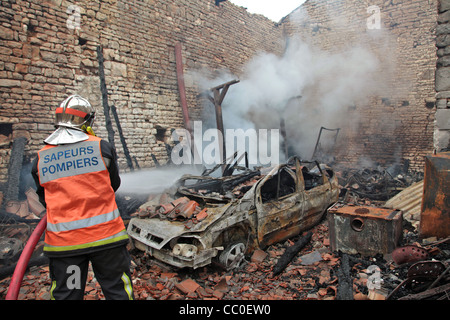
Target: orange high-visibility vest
[82, 213]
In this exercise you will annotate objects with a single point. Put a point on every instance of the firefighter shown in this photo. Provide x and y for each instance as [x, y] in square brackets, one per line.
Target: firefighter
[76, 175]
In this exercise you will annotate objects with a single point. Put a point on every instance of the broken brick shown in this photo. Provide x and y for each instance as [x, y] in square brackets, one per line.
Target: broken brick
[322, 291]
[251, 267]
[244, 288]
[311, 258]
[90, 288]
[258, 256]
[167, 275]
[360, 296]
[192, 295]
[187, 286]
[145, 276]
[222, 285]
[204, 292]
[218, 294]
[312, 296]
[202, 215]
[376, 295]
[174, 296]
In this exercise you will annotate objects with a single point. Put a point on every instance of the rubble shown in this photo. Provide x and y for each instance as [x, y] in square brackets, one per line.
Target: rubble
[345, 288]
[290, 253]
[374, 184]
[314, 271]
[255, 280]
[28, 210]
[409, 201]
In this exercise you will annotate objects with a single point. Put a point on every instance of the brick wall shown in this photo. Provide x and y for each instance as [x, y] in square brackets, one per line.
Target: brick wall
[48, 51]
[442, 124]
[394, 123]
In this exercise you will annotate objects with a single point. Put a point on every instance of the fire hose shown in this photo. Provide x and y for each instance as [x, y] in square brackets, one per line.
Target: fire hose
[22, 263]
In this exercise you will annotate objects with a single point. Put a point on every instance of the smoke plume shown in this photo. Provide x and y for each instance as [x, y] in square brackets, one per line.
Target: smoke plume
[306, 87]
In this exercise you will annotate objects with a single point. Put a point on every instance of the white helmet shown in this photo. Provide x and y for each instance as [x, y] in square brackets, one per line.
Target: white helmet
[75, 112]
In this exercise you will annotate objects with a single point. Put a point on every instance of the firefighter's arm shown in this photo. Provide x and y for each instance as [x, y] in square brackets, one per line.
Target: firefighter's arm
[39, 188]
[110, 157]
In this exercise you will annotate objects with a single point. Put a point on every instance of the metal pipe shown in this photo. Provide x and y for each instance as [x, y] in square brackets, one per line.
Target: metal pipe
[181, 86]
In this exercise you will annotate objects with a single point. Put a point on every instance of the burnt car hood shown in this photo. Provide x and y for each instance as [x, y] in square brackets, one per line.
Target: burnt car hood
[157, 232]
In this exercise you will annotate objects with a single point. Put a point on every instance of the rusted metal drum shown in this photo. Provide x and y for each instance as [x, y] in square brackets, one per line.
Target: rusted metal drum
[435, 211]
[365, 230]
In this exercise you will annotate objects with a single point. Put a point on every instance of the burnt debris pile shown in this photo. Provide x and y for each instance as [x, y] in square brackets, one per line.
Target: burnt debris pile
[375, 184]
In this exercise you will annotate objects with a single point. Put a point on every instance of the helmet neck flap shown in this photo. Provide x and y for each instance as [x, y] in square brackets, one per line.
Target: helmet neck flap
[64, 135]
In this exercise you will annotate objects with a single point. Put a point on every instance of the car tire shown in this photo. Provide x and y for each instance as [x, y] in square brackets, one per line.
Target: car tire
[233, 255]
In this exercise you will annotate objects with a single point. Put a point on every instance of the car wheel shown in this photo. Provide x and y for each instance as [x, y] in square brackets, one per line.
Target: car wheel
[232, 256]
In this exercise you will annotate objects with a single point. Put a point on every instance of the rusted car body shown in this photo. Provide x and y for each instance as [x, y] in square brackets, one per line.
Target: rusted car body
[276, 205]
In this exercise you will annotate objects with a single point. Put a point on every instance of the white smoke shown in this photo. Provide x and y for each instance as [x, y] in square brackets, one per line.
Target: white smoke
[154, 180]
[306, 86]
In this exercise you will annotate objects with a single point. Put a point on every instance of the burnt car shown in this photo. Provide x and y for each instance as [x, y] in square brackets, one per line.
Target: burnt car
[221, 219]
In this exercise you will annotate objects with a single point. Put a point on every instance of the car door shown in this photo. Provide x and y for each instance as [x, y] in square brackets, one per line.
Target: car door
[316, 190]
[279, 205]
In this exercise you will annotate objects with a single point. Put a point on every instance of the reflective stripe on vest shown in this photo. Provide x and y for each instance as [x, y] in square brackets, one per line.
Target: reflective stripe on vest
[122, 235]
[83, 223]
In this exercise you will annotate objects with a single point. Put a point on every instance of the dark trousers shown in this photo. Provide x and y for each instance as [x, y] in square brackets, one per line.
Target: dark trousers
[111, 268]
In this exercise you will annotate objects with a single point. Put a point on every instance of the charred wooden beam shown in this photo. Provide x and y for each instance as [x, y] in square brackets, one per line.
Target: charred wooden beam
[122, 138]
[284, 136]
[219, 93]
[9, 270]
[345, 288]
[14, 169]
[290, 253]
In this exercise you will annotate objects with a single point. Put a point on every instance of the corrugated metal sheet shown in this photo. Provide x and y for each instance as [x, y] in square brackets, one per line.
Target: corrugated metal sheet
[409, 201]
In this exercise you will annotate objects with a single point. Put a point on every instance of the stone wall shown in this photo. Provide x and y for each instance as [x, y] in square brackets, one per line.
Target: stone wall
[442, 124]
[48, 50]
[394, 123]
